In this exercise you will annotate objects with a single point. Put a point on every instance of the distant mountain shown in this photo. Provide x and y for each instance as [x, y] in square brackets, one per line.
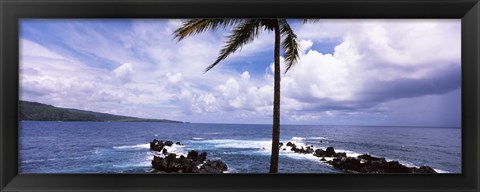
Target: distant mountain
[34, 111]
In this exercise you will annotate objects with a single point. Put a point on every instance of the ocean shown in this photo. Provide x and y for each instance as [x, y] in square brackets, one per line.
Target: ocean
[123, 147]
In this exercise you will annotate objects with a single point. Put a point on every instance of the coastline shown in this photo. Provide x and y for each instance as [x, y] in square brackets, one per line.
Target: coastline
[104, 147]
[168, 162]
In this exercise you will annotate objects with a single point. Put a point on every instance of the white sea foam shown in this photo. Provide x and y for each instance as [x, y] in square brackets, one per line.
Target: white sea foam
[293, 155]
[349, 153]
[298, 142]
[137, 146]
[177, 149]
[262, 145]
[238, 144]
[317, 138]
[33, 160]
[264, 148]
[148, 155]
[408, 164]
[145, 162]
[198, 138]
[308, 138]
[38, 160]
[231, 170]
[287, 152]
[147, 159]
[298, 138]
[440, 171]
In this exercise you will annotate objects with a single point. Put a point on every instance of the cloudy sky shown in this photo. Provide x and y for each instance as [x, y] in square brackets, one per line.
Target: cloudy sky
[350, 72]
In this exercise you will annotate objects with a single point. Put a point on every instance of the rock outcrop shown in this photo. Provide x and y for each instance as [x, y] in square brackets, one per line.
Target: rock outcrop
[193, 163]
[369, 164]
[361, 164]
[157, 145]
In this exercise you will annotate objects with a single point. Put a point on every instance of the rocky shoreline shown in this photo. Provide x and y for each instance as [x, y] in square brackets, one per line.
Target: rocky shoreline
[167, 162]
[193, 163]
[361, 164]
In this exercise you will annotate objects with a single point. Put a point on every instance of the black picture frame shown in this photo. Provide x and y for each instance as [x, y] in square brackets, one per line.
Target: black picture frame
[13, 10]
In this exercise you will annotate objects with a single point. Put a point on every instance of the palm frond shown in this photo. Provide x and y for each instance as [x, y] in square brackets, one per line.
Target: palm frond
[289, 44]
[196, 26]
[242, 34]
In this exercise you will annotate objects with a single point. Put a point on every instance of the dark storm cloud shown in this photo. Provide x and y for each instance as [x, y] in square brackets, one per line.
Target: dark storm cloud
[377, 92]
[443, 81]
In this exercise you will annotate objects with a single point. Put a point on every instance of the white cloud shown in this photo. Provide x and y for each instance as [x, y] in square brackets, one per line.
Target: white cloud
[305, 45]
[373, 56]
[245, 76]
[174, 78]
[36, 50]
[158, 77]
[64, 82]
[231, 88]
[123, 72]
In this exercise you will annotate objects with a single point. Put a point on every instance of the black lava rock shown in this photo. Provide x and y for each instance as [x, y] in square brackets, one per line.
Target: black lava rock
[329, 152]
[368, 157]
[156, 145]
[169, 143]
[215, 166]
[424, 169]
[193, 155]
[340, 155]
[159, 163]
[370, 164]
[319, 153]
[302, 150]
[202, 157]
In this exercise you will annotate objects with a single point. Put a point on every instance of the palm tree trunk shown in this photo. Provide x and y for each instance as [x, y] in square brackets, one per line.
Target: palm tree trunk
[276, 103]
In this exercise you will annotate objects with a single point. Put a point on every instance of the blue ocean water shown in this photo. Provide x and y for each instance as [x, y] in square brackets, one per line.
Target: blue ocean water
[123, 147]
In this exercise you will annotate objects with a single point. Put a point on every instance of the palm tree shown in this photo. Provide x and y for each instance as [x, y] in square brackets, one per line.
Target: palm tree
[244, 32]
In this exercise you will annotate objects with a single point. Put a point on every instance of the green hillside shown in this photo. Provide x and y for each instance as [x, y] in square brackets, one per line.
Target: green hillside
[34, 111]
